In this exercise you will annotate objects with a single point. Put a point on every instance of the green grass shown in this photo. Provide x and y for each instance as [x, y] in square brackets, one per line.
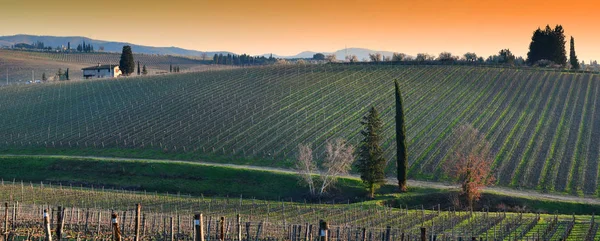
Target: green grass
[169, 177]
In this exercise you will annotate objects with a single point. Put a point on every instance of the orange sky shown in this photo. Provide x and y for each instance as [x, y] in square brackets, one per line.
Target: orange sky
[287, 27]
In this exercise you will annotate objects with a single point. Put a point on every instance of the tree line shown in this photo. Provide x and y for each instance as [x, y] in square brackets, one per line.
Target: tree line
[244, 59]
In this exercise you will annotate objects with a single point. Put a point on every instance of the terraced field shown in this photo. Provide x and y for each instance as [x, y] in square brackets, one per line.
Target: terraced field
[542, 124]
[20, 64]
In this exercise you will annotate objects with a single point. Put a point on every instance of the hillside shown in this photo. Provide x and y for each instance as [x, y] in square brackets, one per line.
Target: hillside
[541, 124]
[20, 64]
[109, 46]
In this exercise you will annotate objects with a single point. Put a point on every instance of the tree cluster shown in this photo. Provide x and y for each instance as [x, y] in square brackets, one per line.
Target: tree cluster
[85, 48]
[548, 44]
[244, 59]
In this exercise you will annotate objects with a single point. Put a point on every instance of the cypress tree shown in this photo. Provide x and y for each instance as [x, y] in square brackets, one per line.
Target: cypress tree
[138, 68]
[67, 74]
[127, 64]
[170, 68]
[44, 76]
[401, 153]
[144, 70]
[573, 56]
[371, 163]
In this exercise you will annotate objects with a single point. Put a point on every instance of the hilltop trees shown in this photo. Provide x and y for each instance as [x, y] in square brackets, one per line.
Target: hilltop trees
[470, 57]
[319, 56]
[397, 57]
[572, 56]
[127, 64]
[401, 154]
[471, 162]
[371, 163]
[352, 58]
[548, 44]
[506, 57]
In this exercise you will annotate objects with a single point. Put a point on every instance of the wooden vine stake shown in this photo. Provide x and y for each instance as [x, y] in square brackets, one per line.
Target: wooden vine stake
[138, 211]
[323, 230]
[199, 227]
[115, 227]
[47, 226]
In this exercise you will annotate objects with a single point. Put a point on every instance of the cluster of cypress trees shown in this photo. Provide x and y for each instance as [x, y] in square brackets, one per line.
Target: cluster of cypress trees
[244, 59]
[548, 44]
[86, 48]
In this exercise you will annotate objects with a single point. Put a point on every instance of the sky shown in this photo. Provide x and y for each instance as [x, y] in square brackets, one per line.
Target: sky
[287, 27]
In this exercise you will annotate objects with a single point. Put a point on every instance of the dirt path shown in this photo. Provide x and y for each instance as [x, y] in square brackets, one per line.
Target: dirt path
[414, 183]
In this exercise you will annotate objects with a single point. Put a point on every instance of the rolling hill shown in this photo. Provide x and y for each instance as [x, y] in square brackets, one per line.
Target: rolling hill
[542, 124]
[21, 66]
[109, 46]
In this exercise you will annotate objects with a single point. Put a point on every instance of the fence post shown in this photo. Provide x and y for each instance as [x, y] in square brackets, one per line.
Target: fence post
[59, 222]
[388, 230]
[115, 225]
[238, 228]
[199, 226]
[5, 234]
[323, 230]
[138, 210]
[423, 234]
[171, 233]
[258, 232]
[46, 225]
[222, 229]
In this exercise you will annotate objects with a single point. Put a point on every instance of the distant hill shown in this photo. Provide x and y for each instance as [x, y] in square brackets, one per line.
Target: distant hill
[361, 53]
[109, 46]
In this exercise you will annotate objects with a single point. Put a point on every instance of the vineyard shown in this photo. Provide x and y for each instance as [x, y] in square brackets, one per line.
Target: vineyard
[542, 124]
[86, 214]
[20, 64]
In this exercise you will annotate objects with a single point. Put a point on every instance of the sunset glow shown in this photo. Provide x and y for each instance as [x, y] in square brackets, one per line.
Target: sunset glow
[289, 27]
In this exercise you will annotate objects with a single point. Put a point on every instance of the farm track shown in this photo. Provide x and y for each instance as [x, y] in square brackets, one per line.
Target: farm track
[415, 183]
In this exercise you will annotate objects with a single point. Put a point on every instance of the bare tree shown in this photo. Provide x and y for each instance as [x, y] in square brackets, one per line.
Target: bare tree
[471, 162]
[470, 57]
[306, 167]
[338, 162]
[376, 57]
[331, 58]
[387, 58]
[424, 57]
[351, 58]
[446, 56]
[397, 57]
[204, 56]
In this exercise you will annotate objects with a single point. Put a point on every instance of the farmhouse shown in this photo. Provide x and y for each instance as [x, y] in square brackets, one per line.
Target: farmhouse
[101, 71]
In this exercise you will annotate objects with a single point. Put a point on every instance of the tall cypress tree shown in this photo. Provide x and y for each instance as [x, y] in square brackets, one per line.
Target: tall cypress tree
[127, 64]
[138, 68]
[67, 74]
[170, 68]
[371, 163]
[573, 57]
[401, 154]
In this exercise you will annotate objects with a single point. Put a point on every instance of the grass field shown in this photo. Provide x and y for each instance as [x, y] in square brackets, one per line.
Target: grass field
[202, 180]
[20, 64]
[541, 123]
